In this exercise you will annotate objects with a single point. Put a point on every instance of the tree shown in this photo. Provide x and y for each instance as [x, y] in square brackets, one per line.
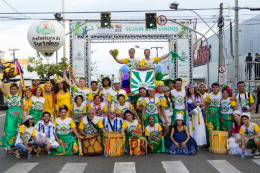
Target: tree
[45, 71]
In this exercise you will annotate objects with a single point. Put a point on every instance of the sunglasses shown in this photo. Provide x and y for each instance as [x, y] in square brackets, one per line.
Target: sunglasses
[28, 92]
[112, 112]
[47, 87]
[121, 99]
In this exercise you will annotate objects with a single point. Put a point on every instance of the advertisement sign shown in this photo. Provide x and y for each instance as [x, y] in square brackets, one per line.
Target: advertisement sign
[118, 28]
[79, 58]
[183, 67]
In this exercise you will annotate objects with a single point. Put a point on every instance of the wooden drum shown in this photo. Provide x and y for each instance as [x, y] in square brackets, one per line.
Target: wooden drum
[218, 142]
[138, 146]
[114, 144]
[92, 145]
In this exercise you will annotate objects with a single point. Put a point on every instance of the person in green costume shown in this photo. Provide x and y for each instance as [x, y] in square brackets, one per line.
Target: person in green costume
[64, 126]
[151, 106]
[38, 104]
[128, 126]
[14, 115]
[153, 132]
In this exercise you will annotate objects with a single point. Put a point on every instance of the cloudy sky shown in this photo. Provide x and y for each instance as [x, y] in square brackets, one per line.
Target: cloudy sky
[13, 33]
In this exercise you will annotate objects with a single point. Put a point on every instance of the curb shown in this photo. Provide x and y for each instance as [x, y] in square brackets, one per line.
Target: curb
[255, 117]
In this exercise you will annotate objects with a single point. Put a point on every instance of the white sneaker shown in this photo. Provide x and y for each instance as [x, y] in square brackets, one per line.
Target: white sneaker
[257, 155]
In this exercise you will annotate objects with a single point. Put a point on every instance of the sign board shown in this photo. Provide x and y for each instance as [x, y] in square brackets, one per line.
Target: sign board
[222, 69]
[79, 58]
[161, 20]
[221, 78]
[119, 28]
[183, 67]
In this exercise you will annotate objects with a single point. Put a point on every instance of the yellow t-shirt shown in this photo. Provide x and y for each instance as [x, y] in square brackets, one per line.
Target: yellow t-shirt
[163, 103]
[118, 111]
[99, 123]
[48, 106]
[27, 104]
[233, 103]
[125, 125]
[21, 130]
[256, 129]
[72, 124]
[155, 60]
[147, 133]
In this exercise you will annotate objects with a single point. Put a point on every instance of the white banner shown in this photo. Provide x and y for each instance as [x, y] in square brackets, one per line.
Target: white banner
[183, 67]
[119, 28]
[79, 58]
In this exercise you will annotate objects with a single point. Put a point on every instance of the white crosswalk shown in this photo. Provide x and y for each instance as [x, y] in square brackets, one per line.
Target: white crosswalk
[2, 115]
[221, 166]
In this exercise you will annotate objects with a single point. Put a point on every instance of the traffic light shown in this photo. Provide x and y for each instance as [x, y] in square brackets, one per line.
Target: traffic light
[151, 20]
[105, 19]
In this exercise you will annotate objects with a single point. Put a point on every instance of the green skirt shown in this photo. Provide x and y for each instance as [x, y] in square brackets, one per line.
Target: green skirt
[157, 147]
[146, 115]
[183, 112]
[127, 135]
[12, 119]
[70, 145]
[226, 122]
[36, 114]
[213, 120]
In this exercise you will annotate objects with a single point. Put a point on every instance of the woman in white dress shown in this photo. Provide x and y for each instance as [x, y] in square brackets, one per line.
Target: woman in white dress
[195, 123]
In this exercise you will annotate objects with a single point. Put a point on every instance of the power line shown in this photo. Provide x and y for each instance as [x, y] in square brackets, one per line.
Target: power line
[15, 9]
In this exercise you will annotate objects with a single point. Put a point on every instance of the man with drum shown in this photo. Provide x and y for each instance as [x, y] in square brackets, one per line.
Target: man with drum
[90, 124]
[132, 62]
[148, 62]
[112, 123]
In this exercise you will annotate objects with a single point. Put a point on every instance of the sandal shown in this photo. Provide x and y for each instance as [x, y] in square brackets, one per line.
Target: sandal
[17, 154]
[9, 153]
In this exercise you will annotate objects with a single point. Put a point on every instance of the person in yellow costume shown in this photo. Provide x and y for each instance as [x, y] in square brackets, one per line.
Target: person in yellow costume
[60, 96]
[132, 62]
[27, 101]
[148, 62]
[48, 106]
[36, 83]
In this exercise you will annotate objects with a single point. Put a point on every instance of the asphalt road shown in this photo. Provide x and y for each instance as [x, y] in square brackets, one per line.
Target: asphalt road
[203, 161]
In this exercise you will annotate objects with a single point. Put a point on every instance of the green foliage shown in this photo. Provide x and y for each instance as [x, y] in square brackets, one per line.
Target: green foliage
[45, 71]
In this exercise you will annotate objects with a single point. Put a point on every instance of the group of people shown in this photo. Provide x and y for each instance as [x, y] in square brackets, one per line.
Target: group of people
[48, 117]
[252, 64]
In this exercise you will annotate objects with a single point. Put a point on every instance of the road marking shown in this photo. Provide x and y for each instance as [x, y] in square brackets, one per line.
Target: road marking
[174, 167]
[21, 168]
[257, 161]
[73, 167]
[124, 167]
[1, 115]
[223, 166]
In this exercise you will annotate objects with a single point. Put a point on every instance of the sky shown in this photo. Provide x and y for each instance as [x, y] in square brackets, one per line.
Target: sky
[13, 33]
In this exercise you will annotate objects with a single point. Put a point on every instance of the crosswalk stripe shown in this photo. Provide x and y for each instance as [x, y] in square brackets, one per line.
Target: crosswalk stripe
[174, 167]
[124, 167]
[73, 167]
[1, 115]
[21, 168]
[257, 161]
[223, 166]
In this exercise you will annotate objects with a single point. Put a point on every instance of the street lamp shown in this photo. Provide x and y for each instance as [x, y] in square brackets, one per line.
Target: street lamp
[58, 17]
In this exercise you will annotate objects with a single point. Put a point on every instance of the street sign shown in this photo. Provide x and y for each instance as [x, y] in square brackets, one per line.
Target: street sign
[222, 76]
[161, 20]
[222, 69]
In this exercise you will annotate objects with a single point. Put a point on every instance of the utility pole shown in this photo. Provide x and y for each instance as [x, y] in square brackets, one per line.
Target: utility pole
[231, 40]
[220, 25]
[13, 52]
[236, 44]
[64, 45]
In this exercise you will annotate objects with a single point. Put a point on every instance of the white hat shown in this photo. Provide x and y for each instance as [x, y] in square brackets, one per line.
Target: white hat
[179, 116]
[246, 115]
[27, 118]
[202, 84]
[35, 77]
[116, 81]
[237, 112]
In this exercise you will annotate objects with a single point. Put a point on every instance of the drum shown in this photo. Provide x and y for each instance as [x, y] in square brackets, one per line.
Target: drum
[218, 142]
[137, 146]
[92, 145]
[114, 144]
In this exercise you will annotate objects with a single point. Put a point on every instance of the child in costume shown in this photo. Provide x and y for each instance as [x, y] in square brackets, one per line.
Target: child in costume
[153, 132]
[76, 110]
[112, 123]
[151, 107]
[38, 102]
[128, 126]
[180, 142]
[26, 132]
[14, 115]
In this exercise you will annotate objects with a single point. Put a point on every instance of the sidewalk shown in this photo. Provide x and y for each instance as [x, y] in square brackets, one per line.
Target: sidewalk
[253, 115]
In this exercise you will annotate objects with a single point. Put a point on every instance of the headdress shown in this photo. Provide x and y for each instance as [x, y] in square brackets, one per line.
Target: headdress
[190, 86]
[112, 107]
[47, 83]
[179, 116]
[229, 89]
[203, 84]
[58, 79]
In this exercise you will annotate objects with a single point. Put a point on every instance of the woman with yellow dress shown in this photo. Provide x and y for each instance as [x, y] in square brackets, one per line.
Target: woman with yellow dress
[61, 96]
[27, 101]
